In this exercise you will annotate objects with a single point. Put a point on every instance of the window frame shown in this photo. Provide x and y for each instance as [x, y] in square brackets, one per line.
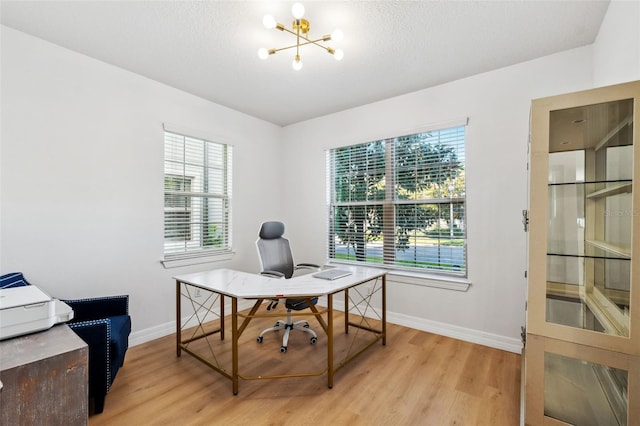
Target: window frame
[387, 204]
[207, 199]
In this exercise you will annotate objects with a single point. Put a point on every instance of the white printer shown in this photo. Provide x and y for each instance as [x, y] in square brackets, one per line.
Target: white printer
[28, 309]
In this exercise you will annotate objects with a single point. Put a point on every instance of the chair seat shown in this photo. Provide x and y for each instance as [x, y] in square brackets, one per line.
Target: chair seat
[299, 304]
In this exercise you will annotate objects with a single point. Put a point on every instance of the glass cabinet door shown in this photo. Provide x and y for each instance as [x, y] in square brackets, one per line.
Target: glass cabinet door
[605, 404]
[570, 384]
[589, 213]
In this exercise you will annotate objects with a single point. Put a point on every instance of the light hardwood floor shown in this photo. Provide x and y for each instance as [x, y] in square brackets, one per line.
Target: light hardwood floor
[418, 378]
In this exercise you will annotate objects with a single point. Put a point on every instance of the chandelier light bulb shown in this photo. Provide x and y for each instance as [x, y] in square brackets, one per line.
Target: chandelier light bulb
[269, 22]
[297, 10]
[339, 54]
[297, 63]
[337, 35]
[263, 53]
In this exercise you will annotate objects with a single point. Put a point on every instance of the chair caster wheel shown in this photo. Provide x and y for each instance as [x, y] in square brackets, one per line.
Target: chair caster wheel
[275, 325]
[306, 325]
[313, 340]
[283, 349]
[259, 339]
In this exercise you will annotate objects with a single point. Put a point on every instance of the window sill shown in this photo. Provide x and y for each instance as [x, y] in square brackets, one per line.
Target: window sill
[424, 279]
[188, 260]
[430, 280]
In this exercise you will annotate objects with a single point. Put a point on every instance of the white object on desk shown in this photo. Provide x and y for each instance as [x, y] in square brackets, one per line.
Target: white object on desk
[27, 309]
[332, 274]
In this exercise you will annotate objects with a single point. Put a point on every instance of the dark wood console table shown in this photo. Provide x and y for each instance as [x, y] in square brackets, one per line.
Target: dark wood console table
[44, 379]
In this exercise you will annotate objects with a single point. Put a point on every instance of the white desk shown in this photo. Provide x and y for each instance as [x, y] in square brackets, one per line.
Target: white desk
[240, 285]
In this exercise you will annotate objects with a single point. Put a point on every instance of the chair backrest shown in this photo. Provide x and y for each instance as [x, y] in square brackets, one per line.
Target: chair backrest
[274, 251]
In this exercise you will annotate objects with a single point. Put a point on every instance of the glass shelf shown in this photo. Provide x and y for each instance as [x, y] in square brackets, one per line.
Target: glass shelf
[591, 249]
[610, 188]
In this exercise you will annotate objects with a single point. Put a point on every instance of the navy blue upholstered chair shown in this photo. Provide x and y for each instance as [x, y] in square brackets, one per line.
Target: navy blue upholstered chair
[276, 260]
[104, 324]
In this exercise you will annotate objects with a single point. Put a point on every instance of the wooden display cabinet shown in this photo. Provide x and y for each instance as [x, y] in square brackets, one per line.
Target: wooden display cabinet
[582, 216]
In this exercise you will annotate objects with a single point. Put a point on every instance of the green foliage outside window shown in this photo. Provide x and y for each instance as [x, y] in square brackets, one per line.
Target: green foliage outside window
[405, 193]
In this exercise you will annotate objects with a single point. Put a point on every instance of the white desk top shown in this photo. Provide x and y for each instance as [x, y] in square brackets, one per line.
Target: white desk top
[254, 286]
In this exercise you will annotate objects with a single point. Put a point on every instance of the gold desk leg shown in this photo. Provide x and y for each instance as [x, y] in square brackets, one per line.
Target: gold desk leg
[346, 311]
[384, 309]
[234, 344]
[330, 342]
[178, 320]
[221, 316]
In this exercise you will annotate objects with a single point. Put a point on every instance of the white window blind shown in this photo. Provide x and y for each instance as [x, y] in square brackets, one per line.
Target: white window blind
[400, 202]
[197, 196]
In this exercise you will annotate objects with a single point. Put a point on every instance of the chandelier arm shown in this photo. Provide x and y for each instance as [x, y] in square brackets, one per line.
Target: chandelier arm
[303, 44]
[298, 40]
[326, 37]
[327, 48]
[283, 48]
[308, 41]
[287, 30]
[317, 42]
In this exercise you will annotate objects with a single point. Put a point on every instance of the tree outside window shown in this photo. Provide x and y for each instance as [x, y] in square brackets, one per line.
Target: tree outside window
[400, 202]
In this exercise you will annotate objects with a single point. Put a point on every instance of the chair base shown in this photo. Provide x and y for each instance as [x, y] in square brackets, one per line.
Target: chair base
[287, 326]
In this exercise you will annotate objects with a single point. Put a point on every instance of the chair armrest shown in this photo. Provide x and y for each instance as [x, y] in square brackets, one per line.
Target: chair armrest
[307, 266]
[274, 274]
[97, 335]
[98, 308]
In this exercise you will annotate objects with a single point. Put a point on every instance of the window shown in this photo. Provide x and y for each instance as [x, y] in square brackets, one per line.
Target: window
[197, 197]
[400, 202]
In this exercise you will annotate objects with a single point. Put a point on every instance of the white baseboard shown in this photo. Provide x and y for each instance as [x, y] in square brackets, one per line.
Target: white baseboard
[151, 333]
[456, 332]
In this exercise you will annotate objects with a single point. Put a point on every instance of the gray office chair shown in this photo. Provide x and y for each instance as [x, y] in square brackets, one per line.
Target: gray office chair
[276, 260]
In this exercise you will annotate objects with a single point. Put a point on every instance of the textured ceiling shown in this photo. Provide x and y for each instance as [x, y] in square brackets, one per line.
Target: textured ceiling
[209, 48]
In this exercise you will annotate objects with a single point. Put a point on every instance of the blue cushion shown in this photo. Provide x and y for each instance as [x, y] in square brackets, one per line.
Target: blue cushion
[14, 279]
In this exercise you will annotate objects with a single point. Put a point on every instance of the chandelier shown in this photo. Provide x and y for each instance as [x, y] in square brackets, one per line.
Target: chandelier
[300, 29]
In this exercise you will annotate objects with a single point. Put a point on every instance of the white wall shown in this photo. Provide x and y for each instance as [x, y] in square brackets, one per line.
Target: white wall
[82, 176]
[497, 104]
[617, 47]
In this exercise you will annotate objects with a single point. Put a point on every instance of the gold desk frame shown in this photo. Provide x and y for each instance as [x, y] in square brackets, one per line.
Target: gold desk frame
[201, 310]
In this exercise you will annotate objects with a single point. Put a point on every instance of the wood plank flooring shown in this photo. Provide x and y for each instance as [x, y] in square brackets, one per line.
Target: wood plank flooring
[418, 378]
